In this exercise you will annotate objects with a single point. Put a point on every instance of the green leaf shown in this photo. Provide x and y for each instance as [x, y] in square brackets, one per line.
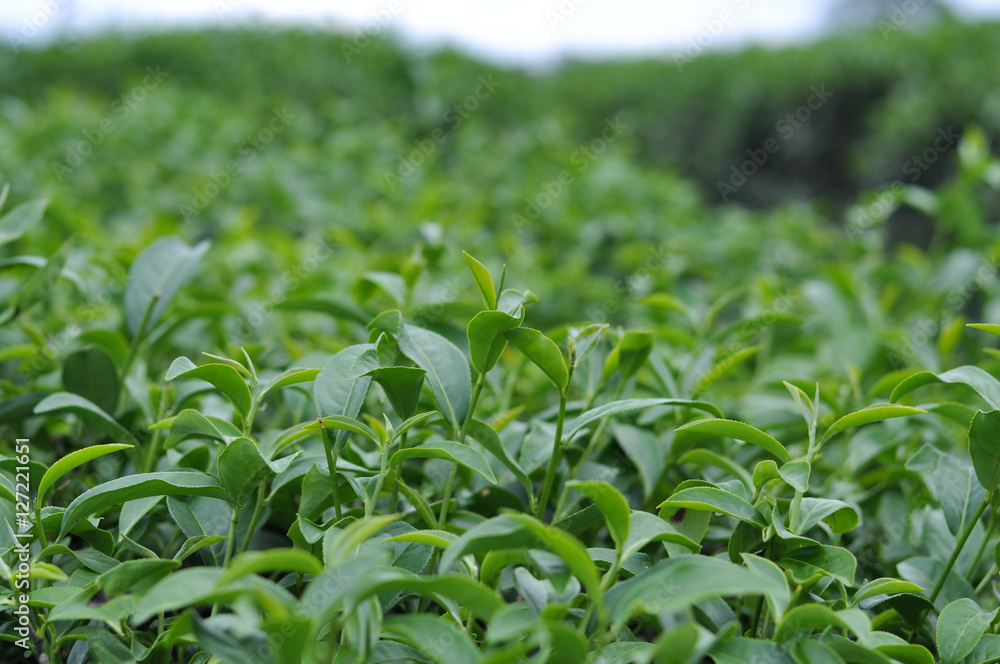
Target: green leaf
[808, 618]
[401, 385]
[713, 499]
[675, 584]
[446, 367]
[983, 383]
[723, 368]
[705, 457]
[805, 651]
[628, 356]
[159, 272]
[438, 638]
[984, 448]
[959, 628]
[21, 219]
[612, 504]
[345, 424]
[486, 436]
[780, 594]
[986, 651]
[143, 485]
[337, 394]
[883, 586]
[645, 450]
[484, 282]
[197, 543]
[225, 378]
[65, 402]
[242, 469]
[441, 539]
[828, 560]
[739, 431]
[624, 405]
[288, 377]
[986, 327]
[796, 474]
[543, 352]
[122, 577]
[91, 373]
[486, 337]
[272, 560]
[585, 341]
[192, 423]
[449, 451]
[71, 461]
[645, 528]
[837, 514]
[522, 531]
[867, 415]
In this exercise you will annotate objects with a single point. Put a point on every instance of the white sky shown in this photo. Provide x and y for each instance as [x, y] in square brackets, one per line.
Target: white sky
[531, 32]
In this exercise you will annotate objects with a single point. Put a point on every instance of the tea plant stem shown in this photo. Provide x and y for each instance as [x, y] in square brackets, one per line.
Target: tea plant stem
[331, 462]
[959, 544]
[394, 497]
[231, 541]
[982, 547]
[230, 545]
[592, 445]
[463, 432]
[951, 561]
[370, 505]
[986, 579]
[257, 510]
[156, 444]
[550, 473]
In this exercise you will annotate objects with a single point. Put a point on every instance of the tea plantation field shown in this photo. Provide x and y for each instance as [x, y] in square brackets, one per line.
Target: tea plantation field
[315, 351]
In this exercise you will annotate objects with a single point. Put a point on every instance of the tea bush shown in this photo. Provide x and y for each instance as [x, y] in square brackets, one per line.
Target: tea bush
[303, 425]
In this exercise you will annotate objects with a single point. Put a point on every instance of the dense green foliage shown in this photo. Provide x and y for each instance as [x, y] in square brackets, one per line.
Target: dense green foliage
[275, 415]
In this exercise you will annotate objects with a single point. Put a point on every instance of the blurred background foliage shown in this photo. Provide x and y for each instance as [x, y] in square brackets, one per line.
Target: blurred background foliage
[597, 184]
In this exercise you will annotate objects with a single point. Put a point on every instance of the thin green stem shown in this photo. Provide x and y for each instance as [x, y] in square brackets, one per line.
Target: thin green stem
[230, 545]
[231, 541]
[982, 547]
[550, 473]
[370, 505]
[593, 445]
[994, 569]
[959, 544]
[394, 496]
[331, 462]
[156, 443]
[983, 504]
[257, 510]
[449, 486]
